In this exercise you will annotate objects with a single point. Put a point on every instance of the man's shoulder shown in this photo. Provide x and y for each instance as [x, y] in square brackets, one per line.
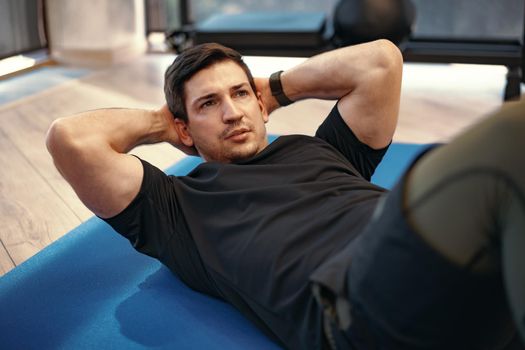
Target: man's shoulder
[293, 148]
[292, 142]
[296, 138]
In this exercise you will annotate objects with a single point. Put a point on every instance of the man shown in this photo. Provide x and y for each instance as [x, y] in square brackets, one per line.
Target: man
[292, 233]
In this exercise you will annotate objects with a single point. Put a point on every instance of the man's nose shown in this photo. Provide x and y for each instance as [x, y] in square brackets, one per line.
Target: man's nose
[231, 112]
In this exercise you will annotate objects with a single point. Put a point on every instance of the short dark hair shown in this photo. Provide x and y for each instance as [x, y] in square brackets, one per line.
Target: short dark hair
[187, 64]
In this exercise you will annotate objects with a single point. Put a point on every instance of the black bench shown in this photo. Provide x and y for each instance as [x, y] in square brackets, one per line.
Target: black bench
[267, 33]
[307, 33]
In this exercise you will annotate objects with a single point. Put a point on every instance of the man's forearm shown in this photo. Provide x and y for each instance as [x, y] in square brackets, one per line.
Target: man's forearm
[120, 129]
[91, 139]
[334, 74]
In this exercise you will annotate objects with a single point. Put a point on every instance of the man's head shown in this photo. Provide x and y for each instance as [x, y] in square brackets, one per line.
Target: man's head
[212, 94]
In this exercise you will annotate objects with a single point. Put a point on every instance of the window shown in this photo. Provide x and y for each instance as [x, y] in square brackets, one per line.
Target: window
[167, 15]
[469, 19]
[202, 9]
[21, 27]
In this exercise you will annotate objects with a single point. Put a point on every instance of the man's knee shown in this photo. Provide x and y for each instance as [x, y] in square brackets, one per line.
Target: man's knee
[508, 126]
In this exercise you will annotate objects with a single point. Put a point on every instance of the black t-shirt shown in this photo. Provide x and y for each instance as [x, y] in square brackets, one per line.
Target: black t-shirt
[252, 232]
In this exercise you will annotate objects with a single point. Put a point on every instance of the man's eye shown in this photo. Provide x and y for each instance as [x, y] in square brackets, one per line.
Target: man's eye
[241, 92]
[207, 104]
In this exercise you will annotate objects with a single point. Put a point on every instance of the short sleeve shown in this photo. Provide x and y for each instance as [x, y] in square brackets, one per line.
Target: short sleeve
[149, 219]
[336, 132]
[154, 225]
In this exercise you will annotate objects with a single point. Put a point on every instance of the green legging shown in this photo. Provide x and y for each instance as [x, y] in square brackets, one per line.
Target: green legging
[467, 200]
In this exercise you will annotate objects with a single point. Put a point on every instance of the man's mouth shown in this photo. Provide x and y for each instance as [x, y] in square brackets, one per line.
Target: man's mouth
[237, 134]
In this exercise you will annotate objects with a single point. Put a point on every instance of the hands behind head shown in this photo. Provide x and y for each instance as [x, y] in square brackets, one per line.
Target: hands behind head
[171, 136]
[263, 86]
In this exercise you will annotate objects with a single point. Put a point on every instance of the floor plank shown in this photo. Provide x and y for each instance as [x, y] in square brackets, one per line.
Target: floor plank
[31, 212]
[438, 101]
[6, 264]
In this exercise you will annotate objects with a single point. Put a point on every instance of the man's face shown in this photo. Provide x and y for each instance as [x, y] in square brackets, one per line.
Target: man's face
[225, 116]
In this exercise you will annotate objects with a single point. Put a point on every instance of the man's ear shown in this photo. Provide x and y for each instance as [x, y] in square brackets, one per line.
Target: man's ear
[262, 106]
[181, 127]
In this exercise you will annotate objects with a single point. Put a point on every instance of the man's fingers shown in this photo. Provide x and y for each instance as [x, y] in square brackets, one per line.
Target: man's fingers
[263, 88]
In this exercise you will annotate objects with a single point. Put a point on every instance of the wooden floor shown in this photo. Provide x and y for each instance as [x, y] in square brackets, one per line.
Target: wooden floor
[37, 206]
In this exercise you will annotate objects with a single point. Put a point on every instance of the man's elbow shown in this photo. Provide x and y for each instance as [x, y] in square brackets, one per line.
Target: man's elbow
[388, 57]
[56, 136]
[61, 141]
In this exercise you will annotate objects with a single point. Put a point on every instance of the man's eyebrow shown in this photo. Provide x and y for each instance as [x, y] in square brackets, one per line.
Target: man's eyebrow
[213, 94]
[239, 86]
[204, 97]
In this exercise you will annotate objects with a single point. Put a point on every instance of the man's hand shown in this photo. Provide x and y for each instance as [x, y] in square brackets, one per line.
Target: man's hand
[171, 135]
[263, 87]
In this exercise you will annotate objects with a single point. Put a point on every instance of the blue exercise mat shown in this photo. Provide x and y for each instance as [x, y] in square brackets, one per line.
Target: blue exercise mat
[38, 80]
[91, 290]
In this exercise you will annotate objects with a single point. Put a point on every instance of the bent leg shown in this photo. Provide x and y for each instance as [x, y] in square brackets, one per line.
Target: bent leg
[467, 201]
